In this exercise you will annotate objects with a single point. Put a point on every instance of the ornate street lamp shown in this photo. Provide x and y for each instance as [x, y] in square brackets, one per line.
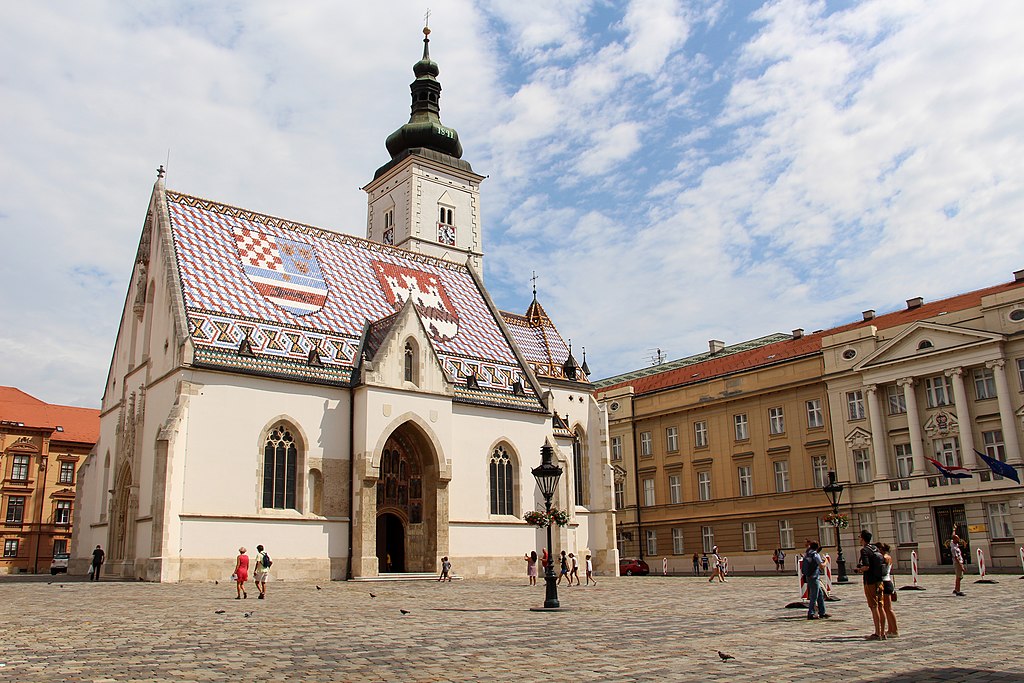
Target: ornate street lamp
[547, 476]
[834, 491]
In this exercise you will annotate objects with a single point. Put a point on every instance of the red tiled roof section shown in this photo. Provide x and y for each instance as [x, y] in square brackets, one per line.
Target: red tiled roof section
[80, 425]
[808, 344]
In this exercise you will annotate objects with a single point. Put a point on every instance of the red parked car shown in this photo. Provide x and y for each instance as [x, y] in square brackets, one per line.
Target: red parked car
[629, 567]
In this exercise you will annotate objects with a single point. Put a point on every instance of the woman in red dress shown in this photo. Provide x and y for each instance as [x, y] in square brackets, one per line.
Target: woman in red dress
[241, 573]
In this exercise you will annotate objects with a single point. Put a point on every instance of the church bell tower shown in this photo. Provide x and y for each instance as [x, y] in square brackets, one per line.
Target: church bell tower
[427, 198]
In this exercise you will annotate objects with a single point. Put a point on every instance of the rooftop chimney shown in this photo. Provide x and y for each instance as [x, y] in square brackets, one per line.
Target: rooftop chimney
[869, 314]
[916, 302]
[715, 345]
[798, 333]
[1018, 276]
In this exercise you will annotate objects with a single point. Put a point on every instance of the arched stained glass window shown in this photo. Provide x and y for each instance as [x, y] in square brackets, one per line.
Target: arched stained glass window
[579, 470]
[280, 462]
[502, 483]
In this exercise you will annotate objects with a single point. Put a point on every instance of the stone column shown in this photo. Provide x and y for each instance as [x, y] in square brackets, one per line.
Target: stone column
[1006, 418]
[914, 422]
[881, 459]
[963, 416]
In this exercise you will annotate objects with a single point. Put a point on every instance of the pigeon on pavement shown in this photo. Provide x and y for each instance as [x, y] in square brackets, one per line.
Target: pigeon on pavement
[404, 611]
[725, 657]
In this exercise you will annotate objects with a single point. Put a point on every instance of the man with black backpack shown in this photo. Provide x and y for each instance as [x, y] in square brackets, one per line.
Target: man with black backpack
[811, 566]
[261, 571]
[870, 566]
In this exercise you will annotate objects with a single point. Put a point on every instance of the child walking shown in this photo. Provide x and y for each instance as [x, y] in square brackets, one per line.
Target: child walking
[446, 568]
[590, 571]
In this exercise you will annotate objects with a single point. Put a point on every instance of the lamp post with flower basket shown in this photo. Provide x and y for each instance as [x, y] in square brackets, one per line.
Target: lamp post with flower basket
[547, 476]
[834, 491]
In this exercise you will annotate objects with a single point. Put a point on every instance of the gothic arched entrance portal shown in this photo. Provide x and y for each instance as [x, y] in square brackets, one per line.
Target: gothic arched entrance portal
[406, 498]
[390, 543]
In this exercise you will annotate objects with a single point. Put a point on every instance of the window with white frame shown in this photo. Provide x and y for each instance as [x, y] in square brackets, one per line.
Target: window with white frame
[994, 446]
[947, 451]
[620, 494]
[675, 488]
[896, 399]
[826, 533]
[1020, 372]
[984, 383]
[672, 439]
[677, 542]
[704, 485]
[819, 470]
[938, 391]
[19, 467]
[866, 520]
[60, 546]
[862, 465]
[904, 460]
[815, 418]
[67, 473]
[740, 425]
[746, 480]
[776, 421]
[785, 534]
[749, 536]
[652, 541]
[781, 476]
[645, 444]
[15, 509]
[616, 448]
[855, 404]
[10, 547]
[904, 526]
[648, 492]
[707, 538]
[62, 513]
[620, 542]
[700, 434]
[999, 520]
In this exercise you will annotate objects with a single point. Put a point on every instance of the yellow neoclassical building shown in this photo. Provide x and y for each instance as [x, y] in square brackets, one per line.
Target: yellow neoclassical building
[732, 446]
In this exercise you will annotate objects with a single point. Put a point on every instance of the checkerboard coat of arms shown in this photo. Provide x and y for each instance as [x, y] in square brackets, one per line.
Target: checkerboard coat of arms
[427, 293]
[283, 270]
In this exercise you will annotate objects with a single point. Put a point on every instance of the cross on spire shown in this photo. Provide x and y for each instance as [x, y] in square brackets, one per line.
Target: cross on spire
[534, 280]
[426, 19]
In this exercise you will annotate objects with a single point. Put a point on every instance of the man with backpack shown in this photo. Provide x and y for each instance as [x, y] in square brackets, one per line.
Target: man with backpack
[870, 566]
[811, 569]
[261, 571]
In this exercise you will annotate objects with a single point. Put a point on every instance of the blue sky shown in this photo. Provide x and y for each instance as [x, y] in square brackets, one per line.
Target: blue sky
[674, 171]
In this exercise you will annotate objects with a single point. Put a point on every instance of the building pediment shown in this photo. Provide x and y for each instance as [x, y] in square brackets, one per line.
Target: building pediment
[398, 347]
[941, 425]
[858, 438]
[924, 339]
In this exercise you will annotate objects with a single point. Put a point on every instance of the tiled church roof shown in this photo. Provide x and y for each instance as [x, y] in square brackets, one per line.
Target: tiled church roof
[540, 342]
[290, 289]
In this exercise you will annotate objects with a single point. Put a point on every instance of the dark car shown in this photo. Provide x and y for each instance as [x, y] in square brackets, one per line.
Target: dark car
[633, 568]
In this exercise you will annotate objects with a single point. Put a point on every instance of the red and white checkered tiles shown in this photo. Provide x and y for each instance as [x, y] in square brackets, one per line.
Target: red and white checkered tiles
[217, 293]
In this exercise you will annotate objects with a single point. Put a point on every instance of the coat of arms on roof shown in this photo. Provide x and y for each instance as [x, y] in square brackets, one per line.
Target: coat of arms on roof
[427, 293]
[283, 270]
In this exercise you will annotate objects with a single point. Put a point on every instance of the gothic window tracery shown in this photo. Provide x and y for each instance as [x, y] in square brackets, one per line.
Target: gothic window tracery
[280, 468]
[502, 480]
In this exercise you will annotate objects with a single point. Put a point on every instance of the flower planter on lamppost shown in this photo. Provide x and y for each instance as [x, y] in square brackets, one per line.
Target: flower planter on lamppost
[834, 491]
[547, 476]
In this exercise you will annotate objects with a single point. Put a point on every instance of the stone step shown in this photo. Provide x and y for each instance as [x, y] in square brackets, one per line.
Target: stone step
[404, 576]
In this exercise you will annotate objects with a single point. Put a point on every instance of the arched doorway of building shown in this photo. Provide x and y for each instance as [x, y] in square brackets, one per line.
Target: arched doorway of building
[390, 543]
[406, 501]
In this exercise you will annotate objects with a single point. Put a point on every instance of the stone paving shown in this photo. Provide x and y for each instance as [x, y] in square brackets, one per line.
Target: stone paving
[625, 629]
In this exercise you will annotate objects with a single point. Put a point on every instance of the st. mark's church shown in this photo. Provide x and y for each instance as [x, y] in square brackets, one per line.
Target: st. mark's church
[358, 406]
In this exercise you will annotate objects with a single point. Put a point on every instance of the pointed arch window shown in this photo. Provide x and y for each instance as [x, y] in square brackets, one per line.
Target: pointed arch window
[409, 363]
[280, 466]
[502, 482]
[579, 469]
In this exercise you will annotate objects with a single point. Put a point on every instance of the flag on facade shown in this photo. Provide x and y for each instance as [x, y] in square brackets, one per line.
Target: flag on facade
[951, 471]
[999, 467]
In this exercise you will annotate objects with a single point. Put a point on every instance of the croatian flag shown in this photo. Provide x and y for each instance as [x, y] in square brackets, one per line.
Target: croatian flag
[284, 271]
[999, 467]
[951, 471]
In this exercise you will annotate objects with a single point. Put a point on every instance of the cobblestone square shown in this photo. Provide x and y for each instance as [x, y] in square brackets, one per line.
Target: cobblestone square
[625, 629]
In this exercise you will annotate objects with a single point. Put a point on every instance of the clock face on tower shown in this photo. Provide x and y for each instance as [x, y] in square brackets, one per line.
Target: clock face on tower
[446, 234]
